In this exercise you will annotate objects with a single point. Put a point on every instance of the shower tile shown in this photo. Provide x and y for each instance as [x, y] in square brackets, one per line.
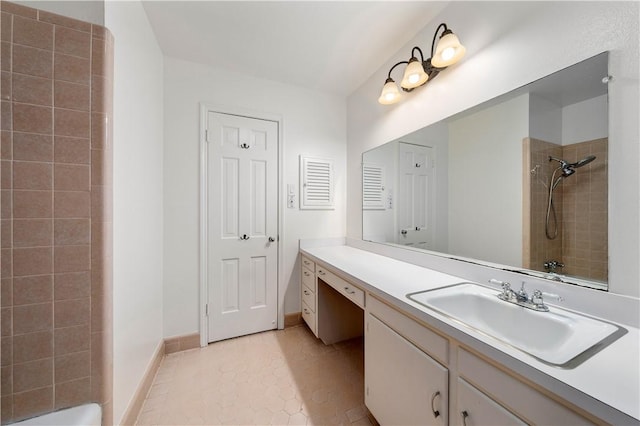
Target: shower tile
[97, 313]
[6, 351]
[7, 380]
[72, 393]
[7, 405]
[70, 177]
[6, 178]
[71, 68]
[31, 61]
[32, 90]
[6, 145]
[5, 56]
[72, 42]
[98, 54]
[19, 10]
[5, 86]
[32, 318]
[72, 285]
[7, 292]
[99, 174]
[32, 147]
[72, 259]
[32, 204]
[98, 131]
[72, 204]
[32, 175]
[6, 321]
[33, 289]
[98, 88]
[69, 313]
[32, 232]
[32, 118]
[72, 150]
[72, 339]
[6, 118]
[32, 375]
[6, 28]
[32, 261]
[64, 21]
[71, 95]
[72, 366]
[32, 346]
[72, 231]
[72, 123]
[7, 264]
[31, 403]
[30, 32]
[101, 208]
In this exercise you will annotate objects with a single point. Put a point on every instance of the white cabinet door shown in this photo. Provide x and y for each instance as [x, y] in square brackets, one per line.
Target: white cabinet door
[475, 409]
[403, 385]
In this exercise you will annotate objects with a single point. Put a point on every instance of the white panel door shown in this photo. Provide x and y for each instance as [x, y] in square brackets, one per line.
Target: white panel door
[242, 225]
[415, 196]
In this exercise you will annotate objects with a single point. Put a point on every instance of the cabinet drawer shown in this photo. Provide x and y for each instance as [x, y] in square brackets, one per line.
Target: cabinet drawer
[345, 288]
[476, 408]
[309, 278]
[309, 264]
[527, 403]
[309, 298]
[309, 317]
[428, 341]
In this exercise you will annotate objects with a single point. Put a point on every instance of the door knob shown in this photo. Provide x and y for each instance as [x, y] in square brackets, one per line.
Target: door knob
[271, 239]
[403, 232]
[244, 237]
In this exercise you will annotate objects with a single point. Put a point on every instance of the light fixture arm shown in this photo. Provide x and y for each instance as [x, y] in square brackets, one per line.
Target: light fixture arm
[435, 36]
[393, 67]
[419, 50]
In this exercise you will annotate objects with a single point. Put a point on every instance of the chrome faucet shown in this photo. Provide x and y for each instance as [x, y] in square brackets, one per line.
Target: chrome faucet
[521, 298]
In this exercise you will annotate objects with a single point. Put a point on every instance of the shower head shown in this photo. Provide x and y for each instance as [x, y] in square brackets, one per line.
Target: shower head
[583, 162]
[569, 168]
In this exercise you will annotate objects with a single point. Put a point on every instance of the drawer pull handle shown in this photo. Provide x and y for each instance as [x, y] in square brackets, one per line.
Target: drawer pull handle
[349, 292]
[321, 273]
[436, 413]
[306, 293]
[306, 311]
[306, 263]
[464, 415]
[306, 273]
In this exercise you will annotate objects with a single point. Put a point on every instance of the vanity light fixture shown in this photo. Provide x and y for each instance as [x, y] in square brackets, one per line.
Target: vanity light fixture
[418, 72]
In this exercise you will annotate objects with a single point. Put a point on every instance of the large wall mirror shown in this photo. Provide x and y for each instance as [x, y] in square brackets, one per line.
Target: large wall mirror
[519, 182]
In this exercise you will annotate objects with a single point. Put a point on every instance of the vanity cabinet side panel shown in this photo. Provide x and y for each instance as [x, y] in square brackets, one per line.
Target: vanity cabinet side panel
[403, 385]
[308, 293]
[523, 400]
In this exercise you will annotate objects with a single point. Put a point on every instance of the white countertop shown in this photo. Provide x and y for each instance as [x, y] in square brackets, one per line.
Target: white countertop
[608, 382]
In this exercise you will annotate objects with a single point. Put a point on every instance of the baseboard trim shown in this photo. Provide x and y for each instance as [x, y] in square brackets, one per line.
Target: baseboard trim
[291, 320]
[135, 405]
[181, 343]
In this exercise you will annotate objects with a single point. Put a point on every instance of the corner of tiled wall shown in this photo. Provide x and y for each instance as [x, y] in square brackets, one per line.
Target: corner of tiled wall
[56, 213]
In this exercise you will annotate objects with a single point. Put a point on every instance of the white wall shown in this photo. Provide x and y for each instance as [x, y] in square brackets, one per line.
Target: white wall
[485, 182]
[88, 11]
[510, 44]
[137, 221]
[585, 121]
[545, 120]
[314, 124]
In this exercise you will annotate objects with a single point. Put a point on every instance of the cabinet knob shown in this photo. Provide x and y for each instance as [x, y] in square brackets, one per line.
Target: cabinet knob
[306, 292]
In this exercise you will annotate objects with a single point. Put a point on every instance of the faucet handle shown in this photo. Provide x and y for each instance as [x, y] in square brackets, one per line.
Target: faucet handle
[538, 302]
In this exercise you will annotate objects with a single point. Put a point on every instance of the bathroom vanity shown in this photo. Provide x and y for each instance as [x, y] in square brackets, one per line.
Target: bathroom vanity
[425, 367]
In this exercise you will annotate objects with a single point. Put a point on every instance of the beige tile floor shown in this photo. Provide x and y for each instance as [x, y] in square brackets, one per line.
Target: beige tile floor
[284, 377]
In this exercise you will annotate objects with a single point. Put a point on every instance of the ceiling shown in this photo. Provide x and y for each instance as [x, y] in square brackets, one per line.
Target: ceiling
[331, 46]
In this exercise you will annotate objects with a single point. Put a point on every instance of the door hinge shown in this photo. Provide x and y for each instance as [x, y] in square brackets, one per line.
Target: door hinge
[206, 309]
[206, 135]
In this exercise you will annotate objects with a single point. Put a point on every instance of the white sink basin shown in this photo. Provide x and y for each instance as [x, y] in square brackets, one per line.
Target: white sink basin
[555, 337]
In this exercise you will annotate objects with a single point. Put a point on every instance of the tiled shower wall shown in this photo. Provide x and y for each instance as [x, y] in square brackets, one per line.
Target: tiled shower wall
[56, 213]
[581, 203]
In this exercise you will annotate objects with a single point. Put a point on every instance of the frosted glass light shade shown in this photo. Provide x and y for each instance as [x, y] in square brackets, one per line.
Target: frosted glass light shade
[390, 93]
[414, 75]
[448, 51]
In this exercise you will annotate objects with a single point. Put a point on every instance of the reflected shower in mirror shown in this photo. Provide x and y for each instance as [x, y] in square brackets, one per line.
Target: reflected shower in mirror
[519, 182]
